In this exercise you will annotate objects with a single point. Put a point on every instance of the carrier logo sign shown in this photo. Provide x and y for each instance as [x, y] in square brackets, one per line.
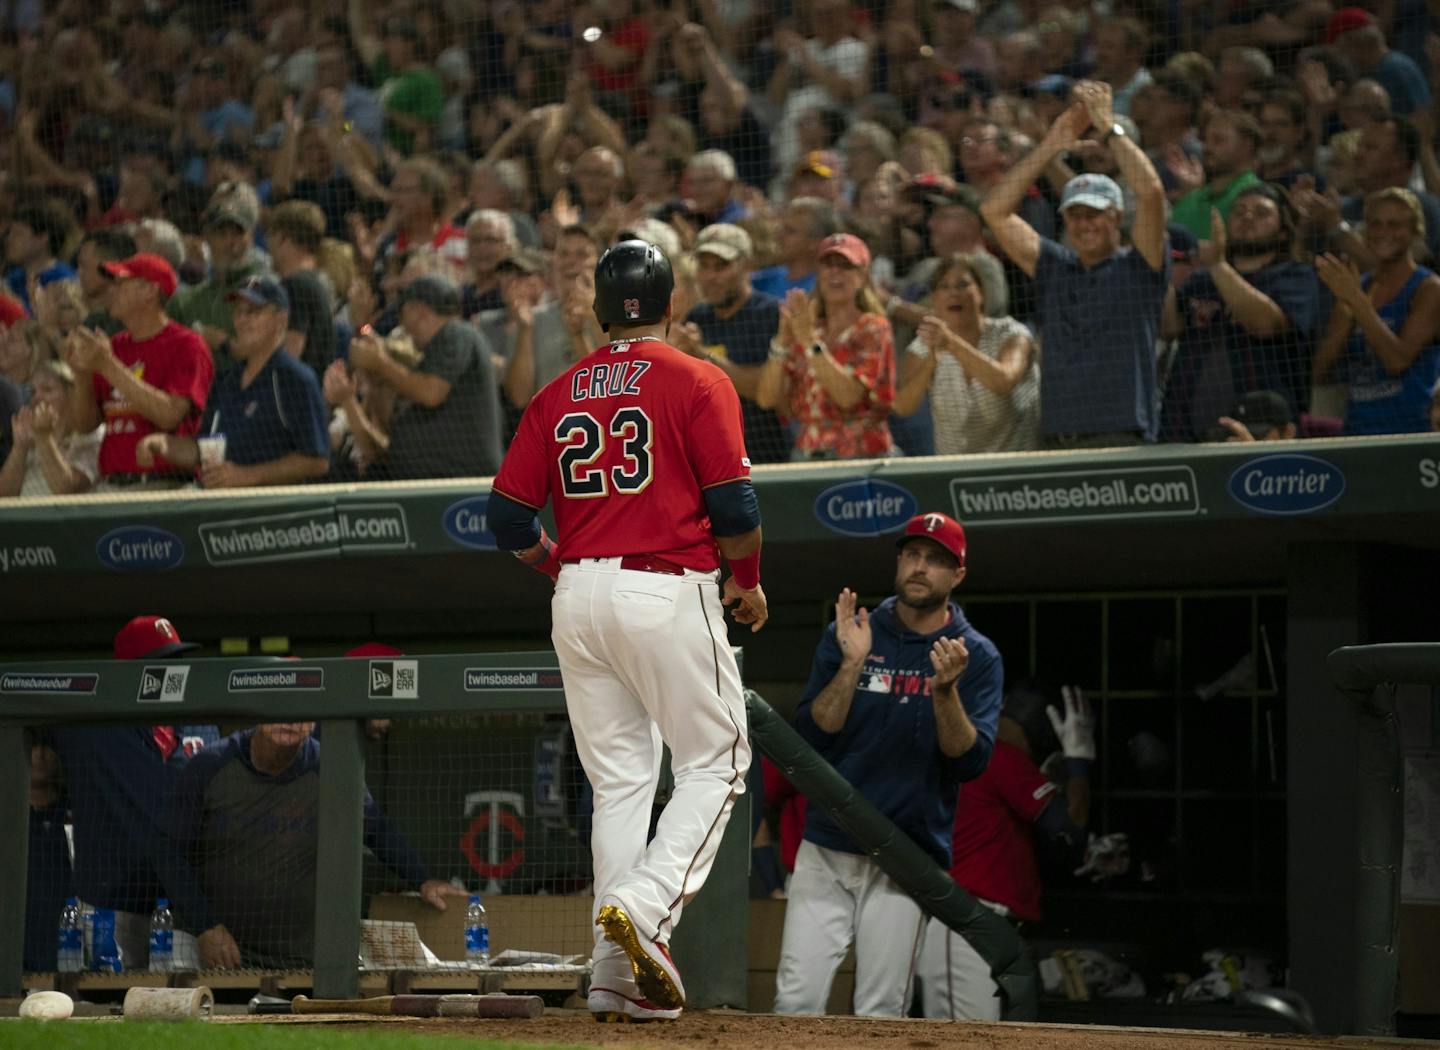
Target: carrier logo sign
[163, 684]
[864, 507]
[37, 683]
[1076, 495]
[272, 678]
[465, 522]
[1286, 484]
[394, 679]
[139, 548]
[482, 679]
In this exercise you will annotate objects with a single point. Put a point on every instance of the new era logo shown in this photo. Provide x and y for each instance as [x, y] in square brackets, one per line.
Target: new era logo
[394, 679]
[163, 684]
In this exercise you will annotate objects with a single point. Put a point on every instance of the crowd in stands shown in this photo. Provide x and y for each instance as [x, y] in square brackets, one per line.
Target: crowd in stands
[353, 239]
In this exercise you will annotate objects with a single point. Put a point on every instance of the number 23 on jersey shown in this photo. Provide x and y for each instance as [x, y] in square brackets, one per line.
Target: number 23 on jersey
[584, 439]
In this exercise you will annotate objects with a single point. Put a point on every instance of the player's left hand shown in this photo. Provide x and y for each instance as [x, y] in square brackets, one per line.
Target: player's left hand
[949, 657]
[751, 608]
[434, 892]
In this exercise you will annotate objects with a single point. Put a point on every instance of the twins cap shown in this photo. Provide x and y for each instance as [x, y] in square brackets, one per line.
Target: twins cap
[849, 247]
[149, 637]
[941, 528]
[1093, 191]
[145, 266]
[725, 241]
[374, 649]
[261, 291]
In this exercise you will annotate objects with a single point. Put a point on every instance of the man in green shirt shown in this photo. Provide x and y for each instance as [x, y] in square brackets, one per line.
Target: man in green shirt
[229, 234]
[410, 92]
[1231, 145]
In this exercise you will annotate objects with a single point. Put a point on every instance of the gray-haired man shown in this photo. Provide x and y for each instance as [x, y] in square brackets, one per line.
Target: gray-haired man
[1099, 301]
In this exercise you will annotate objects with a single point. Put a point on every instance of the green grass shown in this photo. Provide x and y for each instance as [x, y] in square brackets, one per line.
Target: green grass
[140, 1035]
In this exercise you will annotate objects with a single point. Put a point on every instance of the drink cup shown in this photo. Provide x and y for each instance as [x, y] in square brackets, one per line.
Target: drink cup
[212, 449]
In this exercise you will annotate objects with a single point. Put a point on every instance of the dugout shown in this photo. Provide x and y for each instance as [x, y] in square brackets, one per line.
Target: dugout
[1141, 575]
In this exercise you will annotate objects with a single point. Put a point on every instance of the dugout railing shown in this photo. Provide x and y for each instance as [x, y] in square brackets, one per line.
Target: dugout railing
[340, 694]
[1367, 675]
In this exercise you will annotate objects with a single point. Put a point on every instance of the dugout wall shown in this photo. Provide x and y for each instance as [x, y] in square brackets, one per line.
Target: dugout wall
[1334, 540]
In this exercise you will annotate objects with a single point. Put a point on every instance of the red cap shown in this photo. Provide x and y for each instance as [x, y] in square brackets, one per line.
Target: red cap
[147, 267]
[375, 649]
[848, 247]
[149, 638]
[941, 528]
[12, 311]
[1346, 20]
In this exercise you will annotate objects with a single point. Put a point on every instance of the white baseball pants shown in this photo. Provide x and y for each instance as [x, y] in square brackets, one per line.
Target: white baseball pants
[955, 981]
[640, 651]
[835, 898]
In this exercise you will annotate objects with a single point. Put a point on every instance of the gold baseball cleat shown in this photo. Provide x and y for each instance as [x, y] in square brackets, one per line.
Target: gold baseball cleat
[655, 972]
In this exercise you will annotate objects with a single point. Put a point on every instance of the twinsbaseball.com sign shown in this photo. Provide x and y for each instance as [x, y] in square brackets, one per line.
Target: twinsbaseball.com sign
[1076, 495]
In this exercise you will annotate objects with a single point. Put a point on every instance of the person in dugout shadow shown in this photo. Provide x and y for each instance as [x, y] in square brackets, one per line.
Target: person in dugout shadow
[1005, 820]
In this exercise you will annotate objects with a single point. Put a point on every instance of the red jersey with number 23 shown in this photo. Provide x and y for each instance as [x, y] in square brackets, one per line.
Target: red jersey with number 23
[625, 443]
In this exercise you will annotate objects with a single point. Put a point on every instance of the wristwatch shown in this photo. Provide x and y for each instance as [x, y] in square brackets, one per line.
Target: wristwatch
[1115, 129]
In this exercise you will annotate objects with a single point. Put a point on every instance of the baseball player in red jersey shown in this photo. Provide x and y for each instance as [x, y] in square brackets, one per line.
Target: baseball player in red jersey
[640, 449]
[1001, 818]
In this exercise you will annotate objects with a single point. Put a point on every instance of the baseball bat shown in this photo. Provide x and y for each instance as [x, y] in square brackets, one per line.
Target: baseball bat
[488, 1006]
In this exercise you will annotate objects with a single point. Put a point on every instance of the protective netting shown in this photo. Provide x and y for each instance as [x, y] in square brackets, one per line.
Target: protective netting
[228, 828]
[1254, 199]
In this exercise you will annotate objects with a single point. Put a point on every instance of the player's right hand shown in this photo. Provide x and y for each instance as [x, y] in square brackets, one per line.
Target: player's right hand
[752, 607]
[852, 629]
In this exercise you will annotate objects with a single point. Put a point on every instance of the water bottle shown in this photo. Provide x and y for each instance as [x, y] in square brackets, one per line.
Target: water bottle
[477, 933]
[162, 938]
[70, 954]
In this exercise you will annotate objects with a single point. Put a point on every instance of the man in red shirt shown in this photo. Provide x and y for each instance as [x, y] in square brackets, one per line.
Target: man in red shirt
[642, 450]
[151, 378]
[994, 844]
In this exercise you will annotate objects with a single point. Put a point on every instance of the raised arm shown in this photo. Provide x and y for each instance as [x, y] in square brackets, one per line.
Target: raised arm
[1020, 240]
[1148, 233]
[831, 706]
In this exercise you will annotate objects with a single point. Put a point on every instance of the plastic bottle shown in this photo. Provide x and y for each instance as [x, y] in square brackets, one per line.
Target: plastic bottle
[70, 948]
[162, 938]
[477, 933]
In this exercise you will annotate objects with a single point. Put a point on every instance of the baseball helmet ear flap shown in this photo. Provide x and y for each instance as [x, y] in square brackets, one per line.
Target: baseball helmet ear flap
[633, 285]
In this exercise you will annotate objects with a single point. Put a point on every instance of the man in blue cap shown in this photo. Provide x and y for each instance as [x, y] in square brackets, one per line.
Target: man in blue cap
[265, 418]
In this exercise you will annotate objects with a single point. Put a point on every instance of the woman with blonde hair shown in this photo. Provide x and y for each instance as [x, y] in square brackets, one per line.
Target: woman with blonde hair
[47, 458]
[982, 372]
[831, 368]
[1385, 323]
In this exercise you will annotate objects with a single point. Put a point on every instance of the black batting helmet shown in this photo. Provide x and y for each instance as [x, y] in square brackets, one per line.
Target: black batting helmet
[633, 282]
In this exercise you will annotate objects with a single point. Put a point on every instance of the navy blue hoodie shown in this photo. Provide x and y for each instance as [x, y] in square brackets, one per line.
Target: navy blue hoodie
[888, 747]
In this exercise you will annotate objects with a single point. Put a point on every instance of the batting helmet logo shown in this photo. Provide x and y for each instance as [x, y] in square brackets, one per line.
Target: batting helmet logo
[632, 307]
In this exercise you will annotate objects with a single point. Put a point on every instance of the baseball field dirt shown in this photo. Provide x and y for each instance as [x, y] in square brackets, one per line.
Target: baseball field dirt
[740, 1031]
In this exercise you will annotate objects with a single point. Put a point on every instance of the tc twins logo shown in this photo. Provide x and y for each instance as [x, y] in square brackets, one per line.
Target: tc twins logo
[933, 522]
[394, 679]
[632, 307]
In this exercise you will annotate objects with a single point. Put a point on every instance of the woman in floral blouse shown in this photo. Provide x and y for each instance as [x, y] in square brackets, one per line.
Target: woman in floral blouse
[831, 369]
